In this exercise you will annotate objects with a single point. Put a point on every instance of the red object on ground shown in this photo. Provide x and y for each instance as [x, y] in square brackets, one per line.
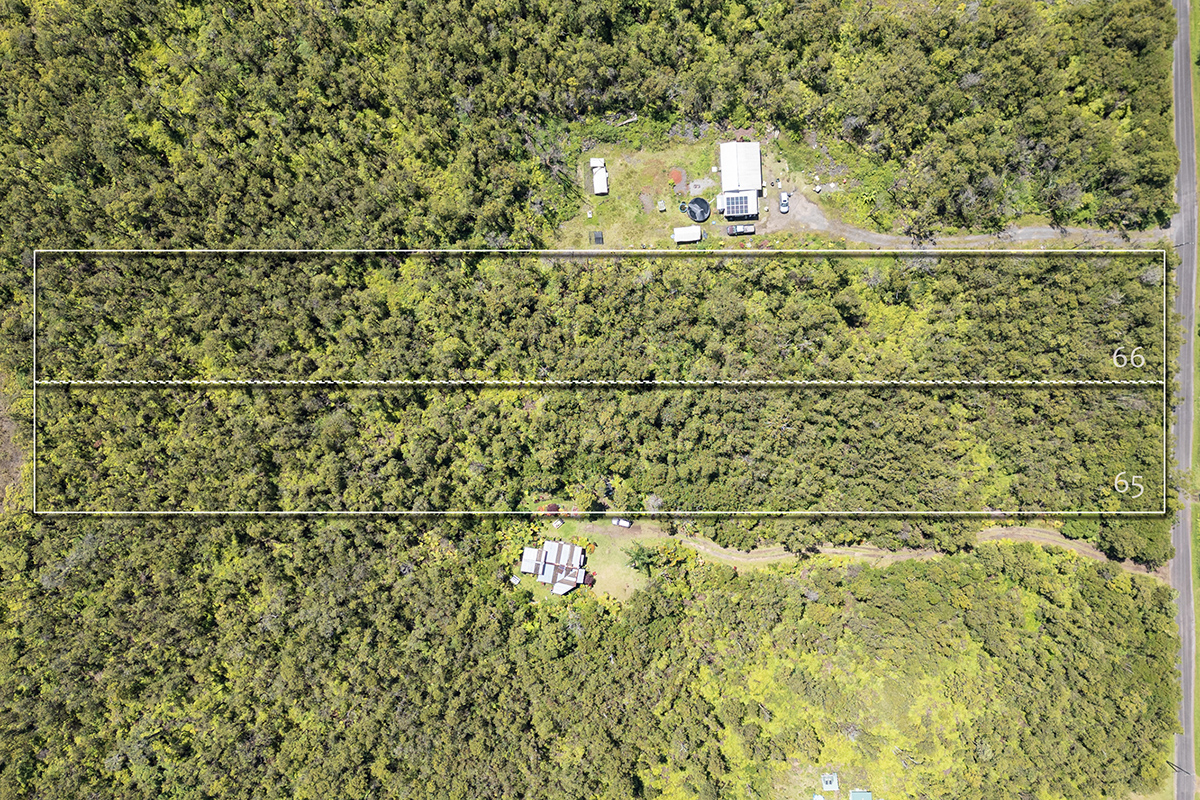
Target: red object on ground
[676, 176]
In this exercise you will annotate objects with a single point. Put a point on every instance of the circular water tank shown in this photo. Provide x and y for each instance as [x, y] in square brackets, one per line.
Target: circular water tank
[697, 209]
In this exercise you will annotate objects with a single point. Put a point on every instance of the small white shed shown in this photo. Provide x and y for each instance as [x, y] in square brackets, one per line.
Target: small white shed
[687, 234]
[599, 176]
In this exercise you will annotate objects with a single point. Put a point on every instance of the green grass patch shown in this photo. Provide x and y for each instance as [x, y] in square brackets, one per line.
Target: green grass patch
[1196, 623]
[1194, 22]
[609, 563]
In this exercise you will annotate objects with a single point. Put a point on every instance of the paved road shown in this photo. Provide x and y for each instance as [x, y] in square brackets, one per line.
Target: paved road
[1184, 227]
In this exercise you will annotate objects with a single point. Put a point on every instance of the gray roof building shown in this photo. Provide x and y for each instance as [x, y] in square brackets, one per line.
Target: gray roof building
[559, 564]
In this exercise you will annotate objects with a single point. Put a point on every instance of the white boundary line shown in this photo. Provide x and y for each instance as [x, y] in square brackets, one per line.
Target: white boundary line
[610, 253]
[1166, 430]
[532, 382]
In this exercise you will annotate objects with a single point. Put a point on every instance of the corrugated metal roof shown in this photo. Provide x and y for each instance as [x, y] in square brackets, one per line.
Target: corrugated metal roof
[529, 559]
[741, 166]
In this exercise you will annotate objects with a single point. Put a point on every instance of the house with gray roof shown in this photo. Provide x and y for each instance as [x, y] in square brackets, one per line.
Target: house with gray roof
[558, 564]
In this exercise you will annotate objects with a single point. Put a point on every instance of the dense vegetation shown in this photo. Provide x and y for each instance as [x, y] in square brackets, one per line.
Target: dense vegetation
[707, 448]
[688, 317]
[189, 659]
[391, 658]
[425, 124]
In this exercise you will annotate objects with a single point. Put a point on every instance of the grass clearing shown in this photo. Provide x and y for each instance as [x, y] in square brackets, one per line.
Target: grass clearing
[638, 179]
[608, 561]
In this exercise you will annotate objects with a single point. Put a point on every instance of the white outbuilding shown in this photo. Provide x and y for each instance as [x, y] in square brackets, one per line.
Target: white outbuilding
[687, 234]
[599, 176]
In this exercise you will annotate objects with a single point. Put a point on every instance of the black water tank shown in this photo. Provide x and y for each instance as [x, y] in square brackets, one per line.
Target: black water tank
[697, 209]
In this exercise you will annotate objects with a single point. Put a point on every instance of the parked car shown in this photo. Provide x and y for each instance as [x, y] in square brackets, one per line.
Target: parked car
[783, 202]
[739, 230]
[623, 523]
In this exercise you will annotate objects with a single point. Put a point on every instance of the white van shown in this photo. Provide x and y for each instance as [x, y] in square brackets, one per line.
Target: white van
[623, 523]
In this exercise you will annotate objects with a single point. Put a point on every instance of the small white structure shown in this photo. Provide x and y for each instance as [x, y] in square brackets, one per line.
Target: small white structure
[687, 234]
[829, 782]
[599, 176]
[741, 179]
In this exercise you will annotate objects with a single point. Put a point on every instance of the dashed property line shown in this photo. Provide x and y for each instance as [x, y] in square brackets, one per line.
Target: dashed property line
[533, 382]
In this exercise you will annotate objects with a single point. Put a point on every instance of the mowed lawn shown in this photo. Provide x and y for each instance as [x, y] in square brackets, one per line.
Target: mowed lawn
[610, 564]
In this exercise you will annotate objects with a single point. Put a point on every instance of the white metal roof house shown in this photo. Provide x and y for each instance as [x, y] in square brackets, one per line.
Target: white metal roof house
[741, 179]
[686, 234]
[559, 564]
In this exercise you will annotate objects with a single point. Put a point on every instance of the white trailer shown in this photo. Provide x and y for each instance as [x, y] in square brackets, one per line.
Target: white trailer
[687, 234]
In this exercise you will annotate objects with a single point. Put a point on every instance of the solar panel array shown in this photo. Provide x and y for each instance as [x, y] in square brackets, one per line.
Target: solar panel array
[737, 206]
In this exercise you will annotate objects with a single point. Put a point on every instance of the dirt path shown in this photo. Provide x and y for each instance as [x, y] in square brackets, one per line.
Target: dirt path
[805, 215]
[1046, 537]
[877, 556]
[759, 556]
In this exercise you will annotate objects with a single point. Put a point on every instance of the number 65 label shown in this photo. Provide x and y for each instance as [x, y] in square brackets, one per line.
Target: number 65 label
[1124, 486]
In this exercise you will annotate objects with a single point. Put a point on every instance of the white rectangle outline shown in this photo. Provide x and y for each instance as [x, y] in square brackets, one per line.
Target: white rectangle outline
[609, 252]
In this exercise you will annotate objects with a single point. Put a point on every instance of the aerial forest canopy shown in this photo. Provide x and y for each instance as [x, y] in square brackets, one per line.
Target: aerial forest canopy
[377, 658]
[889, 443]
[386, 124]
[391, 657]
